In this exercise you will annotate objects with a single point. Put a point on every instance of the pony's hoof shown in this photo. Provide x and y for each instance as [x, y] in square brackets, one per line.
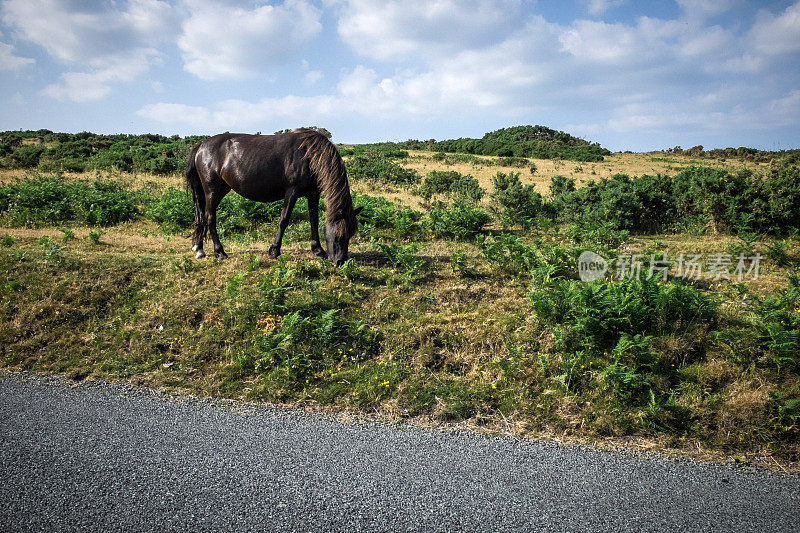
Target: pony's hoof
[322, 254]
[221, 256]
[274, 252]
[200, 254]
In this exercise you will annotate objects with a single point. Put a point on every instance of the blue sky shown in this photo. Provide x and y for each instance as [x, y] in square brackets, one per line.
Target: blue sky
[630, 75]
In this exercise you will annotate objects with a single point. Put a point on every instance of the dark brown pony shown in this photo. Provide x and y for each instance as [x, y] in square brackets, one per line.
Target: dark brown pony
[267, 168]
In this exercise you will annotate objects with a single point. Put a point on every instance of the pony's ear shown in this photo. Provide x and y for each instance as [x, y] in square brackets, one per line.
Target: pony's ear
[357, 210]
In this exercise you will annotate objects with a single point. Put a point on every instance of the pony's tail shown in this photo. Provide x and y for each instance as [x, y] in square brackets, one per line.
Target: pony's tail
[199, 197]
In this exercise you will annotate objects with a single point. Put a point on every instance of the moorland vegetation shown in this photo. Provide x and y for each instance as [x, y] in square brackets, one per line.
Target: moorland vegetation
[462, 302]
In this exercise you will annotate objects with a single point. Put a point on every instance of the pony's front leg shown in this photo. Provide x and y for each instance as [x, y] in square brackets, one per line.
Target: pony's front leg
[286, 214]
[313, 220]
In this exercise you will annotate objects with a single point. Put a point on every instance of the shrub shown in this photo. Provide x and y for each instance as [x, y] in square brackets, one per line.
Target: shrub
[376, 166]
[174, 210]
[467, 188]
[438, 182]
[521, 142]
[47, 199]
[776, 198]
[518, 203]
[715, 193]
[459, 220]
[27, 156]
[378, 213]
[450, 182]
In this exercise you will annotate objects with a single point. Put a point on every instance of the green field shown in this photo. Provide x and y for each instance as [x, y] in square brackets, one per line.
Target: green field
[462, 302]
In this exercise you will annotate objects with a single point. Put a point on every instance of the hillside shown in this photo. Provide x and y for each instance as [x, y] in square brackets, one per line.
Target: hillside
[520, 141]
[463, 301]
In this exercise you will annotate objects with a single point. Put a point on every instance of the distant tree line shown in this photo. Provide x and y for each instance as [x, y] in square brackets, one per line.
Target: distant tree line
[744, 153]
[80, 152]
[520, 141]
[49, 151]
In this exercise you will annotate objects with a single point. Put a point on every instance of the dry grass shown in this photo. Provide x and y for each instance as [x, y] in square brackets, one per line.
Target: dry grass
[632, 164]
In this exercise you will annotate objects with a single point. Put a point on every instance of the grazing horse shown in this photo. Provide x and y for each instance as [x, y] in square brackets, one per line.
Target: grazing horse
[267, 168]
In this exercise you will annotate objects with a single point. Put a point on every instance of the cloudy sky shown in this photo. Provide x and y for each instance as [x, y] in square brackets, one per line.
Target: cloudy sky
[631, 75]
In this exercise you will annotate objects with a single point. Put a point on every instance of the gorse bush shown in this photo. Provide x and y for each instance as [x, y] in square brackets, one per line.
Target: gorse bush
[467, 188]
[459, 220]
[518, 203]
[376, 166]
[438, 182]
[725, 201]
[775, 201]
[55, 152]
[452, 183]
[49, 200]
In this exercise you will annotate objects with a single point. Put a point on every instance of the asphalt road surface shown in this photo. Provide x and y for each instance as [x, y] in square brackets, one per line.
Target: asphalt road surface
[99, 457]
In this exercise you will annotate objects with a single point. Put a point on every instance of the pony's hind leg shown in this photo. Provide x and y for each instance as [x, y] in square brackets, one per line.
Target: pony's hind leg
[313, 219]
[286, 214]
[197, 240]
[198, 236]
[212, 202]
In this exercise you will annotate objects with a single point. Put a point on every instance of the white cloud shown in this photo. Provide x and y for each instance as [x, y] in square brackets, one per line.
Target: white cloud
[89, 33]
[166, 113]
[737, 108]
[94, 85]
[773, 35]
[114, 42]
[232, 115]
[700, 9]
[219, 41]
[784, 111]
[601, 42]
[598, 7]
[312, 76]
[10, 61]
[396, 29]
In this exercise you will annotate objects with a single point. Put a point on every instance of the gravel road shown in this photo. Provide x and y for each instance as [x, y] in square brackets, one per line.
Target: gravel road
[99, 457]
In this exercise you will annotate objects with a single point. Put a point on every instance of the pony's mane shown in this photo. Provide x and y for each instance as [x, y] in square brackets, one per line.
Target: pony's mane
[328, 169]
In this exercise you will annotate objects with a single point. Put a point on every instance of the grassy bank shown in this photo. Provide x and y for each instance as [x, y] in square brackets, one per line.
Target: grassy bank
[441, 316]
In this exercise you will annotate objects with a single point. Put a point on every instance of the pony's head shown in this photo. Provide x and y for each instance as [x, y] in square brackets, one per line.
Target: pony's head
[338, 233]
